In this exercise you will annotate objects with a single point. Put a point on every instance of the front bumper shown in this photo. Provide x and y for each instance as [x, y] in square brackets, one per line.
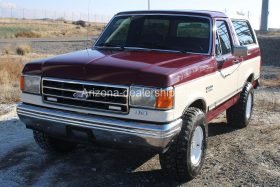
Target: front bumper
[78, 127]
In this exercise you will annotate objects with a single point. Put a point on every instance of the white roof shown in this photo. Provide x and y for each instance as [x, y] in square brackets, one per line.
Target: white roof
[236, 15]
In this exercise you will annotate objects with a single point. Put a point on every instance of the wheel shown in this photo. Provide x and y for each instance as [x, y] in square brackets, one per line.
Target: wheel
[184, 158]
[240, 114]
[50, 144]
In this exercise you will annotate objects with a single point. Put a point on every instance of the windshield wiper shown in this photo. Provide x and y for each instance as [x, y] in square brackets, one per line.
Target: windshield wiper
[167, 50]
[181, 51]
[159, 47]
[109, 46]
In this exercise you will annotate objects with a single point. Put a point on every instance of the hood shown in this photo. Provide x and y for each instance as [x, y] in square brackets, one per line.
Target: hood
[116, 67]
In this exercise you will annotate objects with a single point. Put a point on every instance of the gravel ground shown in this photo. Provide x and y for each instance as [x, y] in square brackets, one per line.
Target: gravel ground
[246, 157]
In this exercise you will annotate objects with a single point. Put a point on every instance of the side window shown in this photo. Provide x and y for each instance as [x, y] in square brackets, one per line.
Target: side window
[218, 46]
[244, 32]
[223, 37]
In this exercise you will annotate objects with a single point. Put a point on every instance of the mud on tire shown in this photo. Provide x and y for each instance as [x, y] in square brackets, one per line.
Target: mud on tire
[50, 144]
[176, 160]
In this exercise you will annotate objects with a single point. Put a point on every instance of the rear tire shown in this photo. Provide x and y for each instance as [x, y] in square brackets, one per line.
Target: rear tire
[184, 158]
[50, 144]
[239, 115]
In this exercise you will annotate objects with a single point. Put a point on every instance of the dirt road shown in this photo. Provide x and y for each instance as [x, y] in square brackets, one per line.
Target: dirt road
[235, 157]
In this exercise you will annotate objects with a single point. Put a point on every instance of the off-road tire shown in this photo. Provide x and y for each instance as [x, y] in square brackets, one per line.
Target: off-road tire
[236, 115]
[176, 161]
[50, 144]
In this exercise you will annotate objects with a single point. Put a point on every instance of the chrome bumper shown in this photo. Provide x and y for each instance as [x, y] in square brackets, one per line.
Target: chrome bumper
[64, 124]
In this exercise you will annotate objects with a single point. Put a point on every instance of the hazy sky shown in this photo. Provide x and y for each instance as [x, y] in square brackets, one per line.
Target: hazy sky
[110, 7]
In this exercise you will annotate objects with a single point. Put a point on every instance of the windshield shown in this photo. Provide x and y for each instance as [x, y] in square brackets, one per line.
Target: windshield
[179, 33]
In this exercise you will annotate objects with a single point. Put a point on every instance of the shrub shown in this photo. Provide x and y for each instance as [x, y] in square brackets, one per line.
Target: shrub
[10, 71]
[23, 49]
[27, 35]
[7, 50]
[47, 19]
[80, 23]
[61, 19]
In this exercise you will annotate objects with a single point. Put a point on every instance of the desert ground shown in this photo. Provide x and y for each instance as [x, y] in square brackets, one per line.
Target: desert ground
[46, 28]
[235, 157]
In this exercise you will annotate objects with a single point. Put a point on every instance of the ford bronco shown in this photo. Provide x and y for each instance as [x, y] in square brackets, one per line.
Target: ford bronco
[153, 79]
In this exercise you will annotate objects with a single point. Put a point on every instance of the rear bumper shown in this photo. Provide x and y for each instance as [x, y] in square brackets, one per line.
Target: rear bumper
[79, 127]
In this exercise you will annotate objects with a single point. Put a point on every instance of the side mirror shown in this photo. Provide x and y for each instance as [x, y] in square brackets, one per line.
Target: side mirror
[240, 51]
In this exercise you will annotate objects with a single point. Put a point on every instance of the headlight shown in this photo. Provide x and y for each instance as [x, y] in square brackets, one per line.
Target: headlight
[30, 84]
[152, 98]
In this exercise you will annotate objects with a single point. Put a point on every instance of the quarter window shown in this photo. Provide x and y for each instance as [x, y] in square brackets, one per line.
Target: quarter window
[244, 32]
[223, 37]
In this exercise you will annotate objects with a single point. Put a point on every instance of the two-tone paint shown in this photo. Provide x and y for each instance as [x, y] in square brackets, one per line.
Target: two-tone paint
[196, 78]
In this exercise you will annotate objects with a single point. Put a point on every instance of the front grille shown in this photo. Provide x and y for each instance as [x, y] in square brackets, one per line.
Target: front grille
[85, 94]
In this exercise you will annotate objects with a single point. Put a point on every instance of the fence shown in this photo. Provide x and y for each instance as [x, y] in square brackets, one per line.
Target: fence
[22, 13]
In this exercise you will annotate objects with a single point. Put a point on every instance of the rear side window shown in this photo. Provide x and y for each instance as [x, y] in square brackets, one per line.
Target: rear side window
[244, 32]
[223, 39]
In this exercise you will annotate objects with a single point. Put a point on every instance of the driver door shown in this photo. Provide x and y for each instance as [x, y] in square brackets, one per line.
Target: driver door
[227, 64]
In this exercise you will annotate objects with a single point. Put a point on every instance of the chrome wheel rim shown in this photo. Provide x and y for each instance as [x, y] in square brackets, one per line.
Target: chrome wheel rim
[196, 146]
[249, 106]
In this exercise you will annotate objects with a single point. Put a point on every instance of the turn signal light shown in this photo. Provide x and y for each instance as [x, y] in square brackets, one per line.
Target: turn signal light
[165, 99]
[22, 83]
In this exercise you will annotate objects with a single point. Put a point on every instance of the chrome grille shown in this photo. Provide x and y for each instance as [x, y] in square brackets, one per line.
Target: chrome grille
[92, 95]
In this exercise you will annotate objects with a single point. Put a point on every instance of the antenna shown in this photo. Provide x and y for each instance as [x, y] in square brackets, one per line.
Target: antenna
[149, 5]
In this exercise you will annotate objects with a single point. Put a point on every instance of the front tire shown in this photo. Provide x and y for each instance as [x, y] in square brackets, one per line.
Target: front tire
[183, 160]
[239, 115]
[51, 144]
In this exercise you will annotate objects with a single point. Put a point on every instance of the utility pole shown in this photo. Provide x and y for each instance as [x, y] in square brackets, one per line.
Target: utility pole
[264, 18]
[149, 5]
